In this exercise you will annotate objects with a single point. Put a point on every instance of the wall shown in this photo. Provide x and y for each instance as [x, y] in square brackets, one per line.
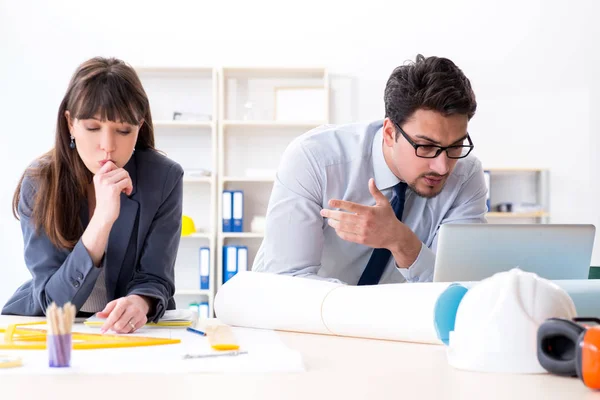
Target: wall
[532, 65]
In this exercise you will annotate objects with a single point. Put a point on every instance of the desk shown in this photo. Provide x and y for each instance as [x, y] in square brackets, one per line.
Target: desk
[337, 368]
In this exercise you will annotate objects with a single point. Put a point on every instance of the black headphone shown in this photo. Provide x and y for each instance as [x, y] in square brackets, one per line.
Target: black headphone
[567, 348]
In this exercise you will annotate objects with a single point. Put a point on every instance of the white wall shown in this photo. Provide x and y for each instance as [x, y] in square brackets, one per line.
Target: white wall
[532, 63]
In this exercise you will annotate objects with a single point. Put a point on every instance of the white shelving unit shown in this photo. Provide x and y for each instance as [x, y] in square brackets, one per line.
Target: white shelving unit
[517, 186]
[245, 131]
[228, 140]
[192, 142]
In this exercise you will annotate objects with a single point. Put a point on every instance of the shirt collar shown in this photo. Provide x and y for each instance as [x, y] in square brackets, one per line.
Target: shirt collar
[384, 177]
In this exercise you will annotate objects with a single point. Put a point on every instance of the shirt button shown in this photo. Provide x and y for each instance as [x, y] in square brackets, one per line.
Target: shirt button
[76, 284]
[80, 276]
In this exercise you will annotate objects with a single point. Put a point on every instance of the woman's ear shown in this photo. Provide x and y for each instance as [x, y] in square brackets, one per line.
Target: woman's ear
[69, 121]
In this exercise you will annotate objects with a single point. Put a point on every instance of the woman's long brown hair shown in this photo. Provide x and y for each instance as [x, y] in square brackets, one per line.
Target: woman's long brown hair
[104, 87]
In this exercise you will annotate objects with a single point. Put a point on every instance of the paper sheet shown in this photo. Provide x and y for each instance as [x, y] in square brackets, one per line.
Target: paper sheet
[180, 317]
[266, 353]
[396, 312]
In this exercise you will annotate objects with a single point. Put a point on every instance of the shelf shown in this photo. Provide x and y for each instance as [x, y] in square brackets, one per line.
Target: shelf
[515, 169]
[272, 124]
[206, 72]
[197, 179]
[198, 235]
[538, 214]
[192, 292]
[182, 124]
[247, 179]
[242, 235]
[274, 72]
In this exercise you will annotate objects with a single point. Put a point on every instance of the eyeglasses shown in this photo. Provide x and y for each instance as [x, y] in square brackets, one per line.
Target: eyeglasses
[432, 151]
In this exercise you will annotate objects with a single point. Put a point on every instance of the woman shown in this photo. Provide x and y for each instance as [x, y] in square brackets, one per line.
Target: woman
[101, 212]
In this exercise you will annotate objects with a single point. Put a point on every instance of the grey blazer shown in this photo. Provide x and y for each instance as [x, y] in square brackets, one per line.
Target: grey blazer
[141, 251]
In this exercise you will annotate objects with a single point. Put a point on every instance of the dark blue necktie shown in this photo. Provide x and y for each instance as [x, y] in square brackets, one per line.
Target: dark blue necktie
[380, 257]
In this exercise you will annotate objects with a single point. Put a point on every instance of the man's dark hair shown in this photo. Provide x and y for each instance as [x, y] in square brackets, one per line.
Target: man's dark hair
[431, 83]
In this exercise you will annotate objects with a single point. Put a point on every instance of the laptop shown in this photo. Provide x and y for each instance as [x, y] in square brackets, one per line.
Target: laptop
[472, 252]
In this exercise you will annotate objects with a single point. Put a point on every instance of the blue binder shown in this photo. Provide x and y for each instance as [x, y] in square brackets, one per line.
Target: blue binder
[229, 262]
[242, 258]
[227, 211]
[238, 211]
[204, 268]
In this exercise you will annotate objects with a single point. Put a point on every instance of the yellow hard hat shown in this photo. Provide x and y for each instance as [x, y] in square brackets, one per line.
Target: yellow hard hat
[187, 226]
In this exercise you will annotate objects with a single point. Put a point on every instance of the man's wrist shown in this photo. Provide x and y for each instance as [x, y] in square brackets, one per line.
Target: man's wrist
[406, 249]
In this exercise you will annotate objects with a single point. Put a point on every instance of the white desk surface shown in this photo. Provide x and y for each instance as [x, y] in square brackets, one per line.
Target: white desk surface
[337, 368]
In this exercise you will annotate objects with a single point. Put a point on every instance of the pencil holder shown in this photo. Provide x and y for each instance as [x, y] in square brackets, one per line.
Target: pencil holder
[59, 337]
[59, 350]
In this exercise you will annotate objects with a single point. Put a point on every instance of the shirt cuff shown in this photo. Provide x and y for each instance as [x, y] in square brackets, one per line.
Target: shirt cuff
[422, 269]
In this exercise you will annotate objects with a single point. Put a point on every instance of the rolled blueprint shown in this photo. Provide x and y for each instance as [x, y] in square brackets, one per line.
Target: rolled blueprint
[403, 312]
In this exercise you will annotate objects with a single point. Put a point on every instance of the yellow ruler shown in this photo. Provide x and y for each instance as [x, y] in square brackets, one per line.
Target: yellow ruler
[26, 338]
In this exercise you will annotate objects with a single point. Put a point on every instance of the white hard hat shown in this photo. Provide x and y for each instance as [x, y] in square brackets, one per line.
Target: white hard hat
[497, 321]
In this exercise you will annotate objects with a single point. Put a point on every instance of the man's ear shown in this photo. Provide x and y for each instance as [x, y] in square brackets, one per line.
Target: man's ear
[69, 121]
[389, 132]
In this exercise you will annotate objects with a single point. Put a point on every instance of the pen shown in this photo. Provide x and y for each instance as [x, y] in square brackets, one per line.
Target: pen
[229, 353]
[196, 331]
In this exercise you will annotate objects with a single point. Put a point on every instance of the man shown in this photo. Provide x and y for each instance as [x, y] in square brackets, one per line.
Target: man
[362, 204]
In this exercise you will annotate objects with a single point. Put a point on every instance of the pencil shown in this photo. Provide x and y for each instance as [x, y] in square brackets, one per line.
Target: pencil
[196, 331]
